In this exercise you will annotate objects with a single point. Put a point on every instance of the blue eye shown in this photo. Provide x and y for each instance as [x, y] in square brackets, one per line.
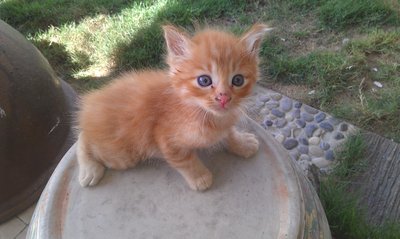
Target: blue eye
[204, 80]
[238, 80]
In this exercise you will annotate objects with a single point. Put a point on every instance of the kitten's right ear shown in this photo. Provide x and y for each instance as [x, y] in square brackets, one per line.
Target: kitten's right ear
[178, 42]
[253, 37]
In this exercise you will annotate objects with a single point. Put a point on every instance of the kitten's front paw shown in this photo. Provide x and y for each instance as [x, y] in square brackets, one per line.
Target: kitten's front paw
[202, 182]
[246, 145]
[90, 173]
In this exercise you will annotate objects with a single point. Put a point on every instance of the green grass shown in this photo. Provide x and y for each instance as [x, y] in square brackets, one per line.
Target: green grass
[346, 13]
[108, 37]
[343, 78]
[345, 216]
[30, 16]
[377, 42]
[372, 107]
[321, 70]
[340, 14]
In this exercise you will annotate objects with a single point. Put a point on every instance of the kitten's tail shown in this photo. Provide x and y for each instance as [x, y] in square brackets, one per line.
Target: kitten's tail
[90, 170]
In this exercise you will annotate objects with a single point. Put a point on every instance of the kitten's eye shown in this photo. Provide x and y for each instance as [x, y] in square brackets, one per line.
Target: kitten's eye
[204, 80]
[238, 80]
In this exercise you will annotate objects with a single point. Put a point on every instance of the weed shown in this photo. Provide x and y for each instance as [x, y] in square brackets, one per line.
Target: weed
[345, 216]
[344, 13]
[339, 14]
[377, 42]
[323, 70]
[301, 34]
[375, 57]
[306, 4]
[350, 157]
[386, 104]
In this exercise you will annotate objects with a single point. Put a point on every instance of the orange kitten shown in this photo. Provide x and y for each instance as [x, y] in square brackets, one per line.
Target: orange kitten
[171, 113]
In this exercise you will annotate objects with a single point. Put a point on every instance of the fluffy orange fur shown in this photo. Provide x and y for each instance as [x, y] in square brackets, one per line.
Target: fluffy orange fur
[168, 113]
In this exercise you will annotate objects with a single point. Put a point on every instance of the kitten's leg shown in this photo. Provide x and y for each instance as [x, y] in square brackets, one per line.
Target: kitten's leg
[90, 170]
[191, 168]
[241, 143]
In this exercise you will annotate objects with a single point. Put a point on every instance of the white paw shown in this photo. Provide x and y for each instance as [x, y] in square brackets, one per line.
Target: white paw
[248, 145]
[202, 182]
[90, 173]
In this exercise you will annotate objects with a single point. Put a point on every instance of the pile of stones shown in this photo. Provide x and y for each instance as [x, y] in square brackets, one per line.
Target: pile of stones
[310, 135]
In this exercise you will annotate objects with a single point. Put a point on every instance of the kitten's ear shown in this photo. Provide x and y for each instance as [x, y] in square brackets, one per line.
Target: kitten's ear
[252, 38]
[178, 42]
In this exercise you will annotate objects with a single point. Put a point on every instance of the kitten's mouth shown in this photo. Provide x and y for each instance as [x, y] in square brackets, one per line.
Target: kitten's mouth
[221, 108]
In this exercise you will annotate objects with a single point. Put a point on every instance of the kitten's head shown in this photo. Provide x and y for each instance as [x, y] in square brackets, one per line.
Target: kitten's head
[214, 70]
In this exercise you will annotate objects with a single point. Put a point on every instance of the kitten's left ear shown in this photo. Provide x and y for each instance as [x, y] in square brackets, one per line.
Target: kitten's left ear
[252, 38]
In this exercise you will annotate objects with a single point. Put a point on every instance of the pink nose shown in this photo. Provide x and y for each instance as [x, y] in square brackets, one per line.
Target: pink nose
[223, 99]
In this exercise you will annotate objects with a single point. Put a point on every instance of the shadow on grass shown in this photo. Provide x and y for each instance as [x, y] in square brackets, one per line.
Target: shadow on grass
[146, 48]
[29, 17]
[64, 66]
[59, 58]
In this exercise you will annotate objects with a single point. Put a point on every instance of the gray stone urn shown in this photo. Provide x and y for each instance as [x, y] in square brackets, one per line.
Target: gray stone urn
[35, 122]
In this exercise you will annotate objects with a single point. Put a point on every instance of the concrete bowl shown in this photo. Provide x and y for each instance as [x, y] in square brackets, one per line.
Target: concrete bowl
[266, 196]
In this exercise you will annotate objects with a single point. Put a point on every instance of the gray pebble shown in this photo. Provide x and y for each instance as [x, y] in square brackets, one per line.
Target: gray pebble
[324, 145]
[263, 98]
[304, 157]
[296, 113]
[320, 117]
[280, 123]
[298, 105]
[326, 126]
[301, 123]
[320, 162]
[289, 118]
[286, 104]
[296, 131]
[329, 155]
[344, 127]
[277, 113]
[268, 123]
[339, 136]
[286, 131]
[290, 144]
[310, 109]
[280, 138]
[314, 140]
[276, 96]
[303, 149]
[307, 117]
[318, 132]
[334, 121]
[271, 104]
[315, 151]
[310, 129]
[264, 111]
[303, 141]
